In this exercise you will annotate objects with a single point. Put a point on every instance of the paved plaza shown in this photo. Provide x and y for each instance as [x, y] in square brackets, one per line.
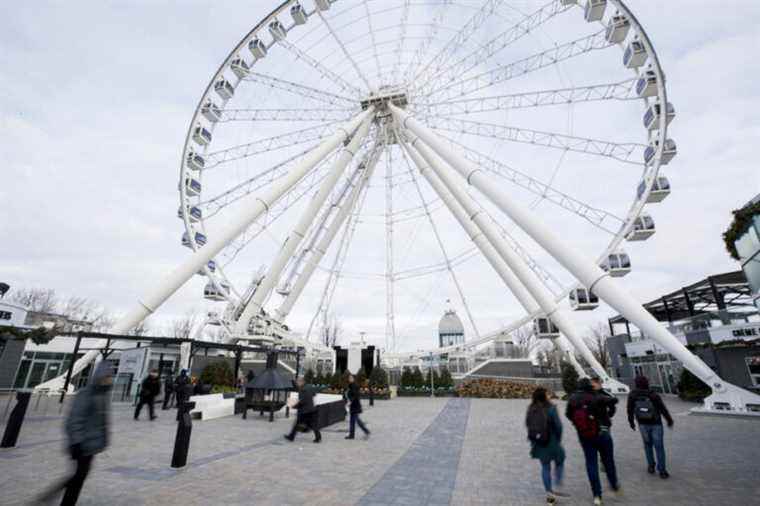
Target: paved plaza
[422, 452]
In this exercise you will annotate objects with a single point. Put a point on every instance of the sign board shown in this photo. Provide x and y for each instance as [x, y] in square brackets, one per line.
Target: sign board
[132, 362]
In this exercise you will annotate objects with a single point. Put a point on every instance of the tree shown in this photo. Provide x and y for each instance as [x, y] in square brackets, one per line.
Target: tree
[361, 377]
[332, 331]
[569, 377]
[378, 378]
[182, 328]
[596, 340]
[319, 379]
[524, 343]
[309, 377]
[39, 300]
[418, 381]
[446, 381]
[406, 377]
[218, 373]
[691, 388]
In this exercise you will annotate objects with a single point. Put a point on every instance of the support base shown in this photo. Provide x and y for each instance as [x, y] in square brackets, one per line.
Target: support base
[616, 387]
[734, 401]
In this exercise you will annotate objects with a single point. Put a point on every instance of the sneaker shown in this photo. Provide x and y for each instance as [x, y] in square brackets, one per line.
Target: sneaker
[664, 475]
[153, 418]
[317, 440]
[560, 493]
[550, 499]
[598, 501]
[349, 437]
[650, 469]
[289, 438]
[618, 490]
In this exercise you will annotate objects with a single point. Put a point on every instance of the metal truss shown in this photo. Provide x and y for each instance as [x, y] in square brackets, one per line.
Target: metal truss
[344, 50]
[300, 89]
[326, 73]
[321, 115]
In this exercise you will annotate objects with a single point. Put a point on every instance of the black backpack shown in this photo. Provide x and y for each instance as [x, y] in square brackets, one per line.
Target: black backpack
[644, 410]
[537, 422]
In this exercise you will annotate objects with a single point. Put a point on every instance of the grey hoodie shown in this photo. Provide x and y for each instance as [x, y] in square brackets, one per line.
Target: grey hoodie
[88, 422]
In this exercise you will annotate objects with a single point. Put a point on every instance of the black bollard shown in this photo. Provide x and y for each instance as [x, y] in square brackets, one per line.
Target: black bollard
[371, 396]
[16, 420]
[184, 429]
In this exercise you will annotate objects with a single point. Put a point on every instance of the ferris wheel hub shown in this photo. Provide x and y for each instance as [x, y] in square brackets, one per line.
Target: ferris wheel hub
[385, 95]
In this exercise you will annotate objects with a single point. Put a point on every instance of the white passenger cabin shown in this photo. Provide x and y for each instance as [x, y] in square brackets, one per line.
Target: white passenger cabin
[653, 114]
[211, 266]
[544, 328]
[240, 68]
[668, 151]
[660, 190]
[194, 214]
[195, 161]
[212, 318]
[643, 228]
[192, 187]
[200, 239]
[211, 111]
[617, 29]
[277, 31]
[224, 89]
[582, 299]
[617, 264]
[257, 48]
[646, 85]
[594, 10]
[201, 135]
[635, 54]
[211, 292]
[298, 14]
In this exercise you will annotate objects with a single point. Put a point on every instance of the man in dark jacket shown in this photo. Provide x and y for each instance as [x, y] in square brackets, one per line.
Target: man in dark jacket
[87, 428]
[182, 387]
[353, 396]
[646, 408]
[307, 412]
[168, 392]
[589, 411]
[149, 389]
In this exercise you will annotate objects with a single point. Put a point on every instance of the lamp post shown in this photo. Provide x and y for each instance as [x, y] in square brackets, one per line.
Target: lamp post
[432, 381]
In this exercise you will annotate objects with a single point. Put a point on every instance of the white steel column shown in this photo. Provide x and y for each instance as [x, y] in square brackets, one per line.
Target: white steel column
[255, 305]
[254, 207]
[725, 398]
[390, 297]
[525, 277]
[324, 243]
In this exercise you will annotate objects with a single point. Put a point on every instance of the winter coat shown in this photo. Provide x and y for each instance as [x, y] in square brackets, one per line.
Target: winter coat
[553, 449]
[305, 403]
[87, 426]
[150, 387]
[602, 406]
[659, 407]
[353, 396]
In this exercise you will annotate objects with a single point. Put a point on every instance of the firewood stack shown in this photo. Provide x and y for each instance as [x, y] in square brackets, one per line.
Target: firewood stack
[496, 389]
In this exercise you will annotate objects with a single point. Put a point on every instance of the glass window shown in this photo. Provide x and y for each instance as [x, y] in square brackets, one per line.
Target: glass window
[748, 244]
[753, 366]
[5, 315]
[752, 271]
[23, 371]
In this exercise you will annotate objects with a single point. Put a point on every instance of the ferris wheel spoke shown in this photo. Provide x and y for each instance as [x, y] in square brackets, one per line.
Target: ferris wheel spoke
[400, 42]
[346, 54]
[300, 89]
[390, 299]
[269, 144]
[449, 72]
[429, 37]
[446, 258]
[622, 152]
[372, 36]
[602, 219]
[458, 88]
[460, 38]
[317, 114]
[325, 72]
[623, 90]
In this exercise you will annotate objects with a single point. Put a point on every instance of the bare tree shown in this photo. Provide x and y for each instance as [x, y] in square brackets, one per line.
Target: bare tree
[524, 343]
[182, 328]
[40, 300]
[596, 340]
[87, 310]
[141, 329]
[331, 332]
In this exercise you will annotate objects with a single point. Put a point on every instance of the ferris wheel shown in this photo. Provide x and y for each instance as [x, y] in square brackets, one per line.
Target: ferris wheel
[560, 103]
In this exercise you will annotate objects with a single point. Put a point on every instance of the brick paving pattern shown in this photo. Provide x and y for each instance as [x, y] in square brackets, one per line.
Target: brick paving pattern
[477, 446]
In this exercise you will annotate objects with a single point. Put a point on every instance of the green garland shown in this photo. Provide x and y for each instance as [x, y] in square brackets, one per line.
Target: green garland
[742, 221]
[40, 335]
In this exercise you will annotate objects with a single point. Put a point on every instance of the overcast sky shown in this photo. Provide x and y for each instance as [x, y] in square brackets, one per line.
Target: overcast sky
[96, 100]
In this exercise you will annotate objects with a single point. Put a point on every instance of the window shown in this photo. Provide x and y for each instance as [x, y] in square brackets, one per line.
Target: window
[5, 315]
[753, 366]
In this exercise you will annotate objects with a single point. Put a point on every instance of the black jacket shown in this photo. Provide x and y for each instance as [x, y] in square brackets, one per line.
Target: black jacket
[659, 407]
[87, 426]
[602, 406]
[168, 385]
[353, 396]
[305, 402]
[150, 387]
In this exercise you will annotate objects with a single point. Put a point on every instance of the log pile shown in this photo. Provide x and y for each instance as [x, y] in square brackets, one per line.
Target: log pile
[489, 388]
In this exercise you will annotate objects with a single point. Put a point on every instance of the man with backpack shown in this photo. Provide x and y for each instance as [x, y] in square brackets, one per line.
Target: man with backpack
[590, 412]
[646, 408]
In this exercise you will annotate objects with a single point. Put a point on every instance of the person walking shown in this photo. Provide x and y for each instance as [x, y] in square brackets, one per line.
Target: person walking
[545, 436]
[646, 407]
[598, 387]
[307, 412]
[589, 411]
[353, 395]
[151, 386]
[182, 387]
[87, 432]
[168, 392]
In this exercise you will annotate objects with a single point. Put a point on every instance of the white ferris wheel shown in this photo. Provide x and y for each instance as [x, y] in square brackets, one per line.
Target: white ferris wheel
[547, 98]
[375, 153]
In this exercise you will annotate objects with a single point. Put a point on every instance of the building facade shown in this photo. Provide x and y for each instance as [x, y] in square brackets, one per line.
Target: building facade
[747, 246]
[450, 329]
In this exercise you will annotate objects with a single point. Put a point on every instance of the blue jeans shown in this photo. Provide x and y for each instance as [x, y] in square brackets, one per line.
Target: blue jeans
[546, 474]
[653, 442]
[353, 420]
[594, 449]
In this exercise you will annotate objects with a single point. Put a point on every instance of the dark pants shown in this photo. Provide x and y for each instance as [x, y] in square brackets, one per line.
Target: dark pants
[72, 486]
[653, 442]
[310, 421]
[594, 449]
[149, 402]
[353, 420]
[168, 400]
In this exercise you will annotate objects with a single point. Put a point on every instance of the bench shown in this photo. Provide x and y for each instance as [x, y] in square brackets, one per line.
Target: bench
[212, 406]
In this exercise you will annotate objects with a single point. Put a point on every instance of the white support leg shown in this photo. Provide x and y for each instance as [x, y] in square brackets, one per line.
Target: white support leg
[525, 277]
[726, 398]
[293, 240]
[321, 248]
[254, 207]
